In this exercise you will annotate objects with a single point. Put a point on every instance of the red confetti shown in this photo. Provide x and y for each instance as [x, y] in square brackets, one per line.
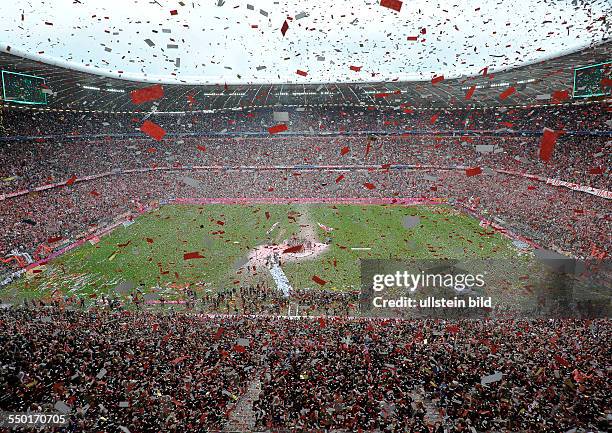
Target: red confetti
[284, 28]
[149, 240]
[147, 94]
[219, 333]
[278, 128]
[302, 73]
[506, 93]
[318, 280]
[413, 38]
[547, 144]
[452, 329]
[339, 178]
[345, 150]
[473, 171]
[179, 359]
[355, 68]
[193, 255]
[174, 12]
[70, 181]
[153, 130]
[469, 93]
[396, 5]
[437, 79]
[560, 96]
[294, 249]
[369, 185]
[202, 148]
[561, 361]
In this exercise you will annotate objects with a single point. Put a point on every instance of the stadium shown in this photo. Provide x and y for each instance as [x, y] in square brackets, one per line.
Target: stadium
[277, 217]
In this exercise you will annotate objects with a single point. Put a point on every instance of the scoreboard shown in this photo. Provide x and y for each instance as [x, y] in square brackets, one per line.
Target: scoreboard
[23, 88]
[593, 80]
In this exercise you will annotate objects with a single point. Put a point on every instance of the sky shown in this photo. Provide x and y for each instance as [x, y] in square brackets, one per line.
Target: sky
[240, 42]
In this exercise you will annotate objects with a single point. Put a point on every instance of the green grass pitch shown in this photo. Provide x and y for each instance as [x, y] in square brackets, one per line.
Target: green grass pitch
[150, 252]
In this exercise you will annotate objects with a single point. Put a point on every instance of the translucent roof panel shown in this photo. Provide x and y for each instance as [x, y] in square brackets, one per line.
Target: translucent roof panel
[266, 41]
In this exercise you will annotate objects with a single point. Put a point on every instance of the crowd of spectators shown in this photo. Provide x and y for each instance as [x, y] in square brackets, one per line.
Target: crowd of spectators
[578, 159]
[569, 117]
[133, 371]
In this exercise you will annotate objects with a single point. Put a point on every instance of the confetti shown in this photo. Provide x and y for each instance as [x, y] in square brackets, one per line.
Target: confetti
[193, 255]
[437, 79]
[547, 144]
[277, 128]
[153, 130]
[396, 5]
[560, 96]
[284, 28]
[469, 93]
[319, 280]
[71, 181]
[294, 249]
[506, 93]
[561, 361]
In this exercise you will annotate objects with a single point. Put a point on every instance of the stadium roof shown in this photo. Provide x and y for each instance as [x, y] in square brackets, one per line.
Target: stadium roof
[342, 41]
[534, 84]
